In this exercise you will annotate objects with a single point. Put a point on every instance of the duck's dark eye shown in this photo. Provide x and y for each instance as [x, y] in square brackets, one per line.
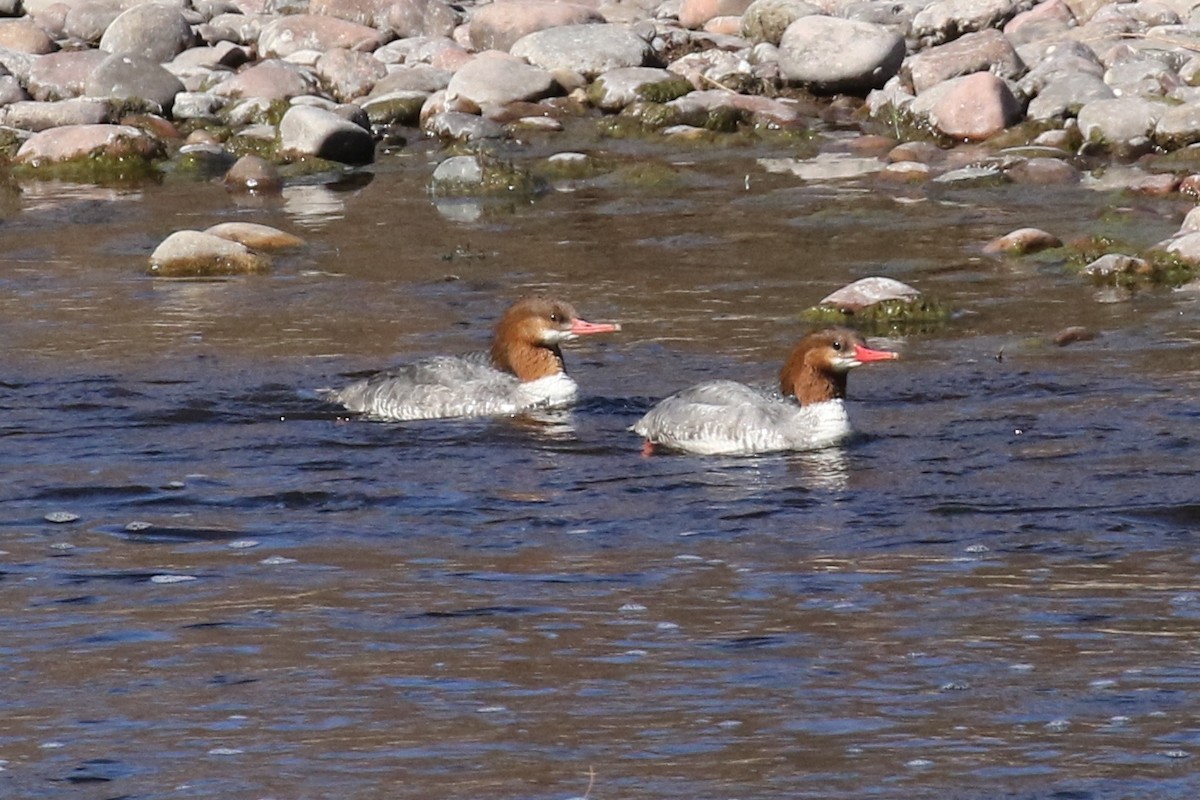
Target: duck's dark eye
[837, 344]
[555, 316]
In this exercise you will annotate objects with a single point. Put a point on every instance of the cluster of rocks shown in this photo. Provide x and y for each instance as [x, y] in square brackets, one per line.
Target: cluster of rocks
[180, 82]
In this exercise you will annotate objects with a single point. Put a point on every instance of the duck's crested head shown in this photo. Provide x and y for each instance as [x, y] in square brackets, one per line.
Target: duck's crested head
[816, 370]
[527, 338]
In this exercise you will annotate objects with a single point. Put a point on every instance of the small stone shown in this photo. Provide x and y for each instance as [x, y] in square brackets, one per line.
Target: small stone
[167, 579]
[31, 115]
[61, 517]
[1112, 264]
[618, 88]
[867, 292]
[1073, 334]
[1121, 122]
[944, 20]
[409, 18]
[462, 127]
[256, 236]
[457, 174]
[1160, 185]
[252, 173]
[271, 79]
[1042, 172]
[296, 32]
[976, 52]
[1022, 242]
[24, 36]
[922, 152]
[695, 13]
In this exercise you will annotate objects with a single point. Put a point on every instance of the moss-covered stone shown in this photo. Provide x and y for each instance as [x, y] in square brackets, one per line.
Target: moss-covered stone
[665, 91]
[101, 170]
[920, 314]
[1148, 268]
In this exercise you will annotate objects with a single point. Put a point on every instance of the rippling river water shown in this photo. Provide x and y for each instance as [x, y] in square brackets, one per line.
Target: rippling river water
[990, 591]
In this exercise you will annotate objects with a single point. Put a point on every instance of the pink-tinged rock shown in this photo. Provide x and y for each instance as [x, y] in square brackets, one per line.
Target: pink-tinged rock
[1160, 185]
[349, 74]
[74, 142]
[256, 236]
[1052, 16]
[24, 36]
[272, 80]
[296, 32]
[920, 152]
[498, 26]
[906, 172]
[192, 254]
[694, 13]
[1043, 172]
[867, 292]
[242, 29]
[497, 79]
[1023, 241]
[409, 18]
[253, 174]
[976, 52]
[57, 76]
[372, 13]
[415, 78]
[975, 107]
[762, 110]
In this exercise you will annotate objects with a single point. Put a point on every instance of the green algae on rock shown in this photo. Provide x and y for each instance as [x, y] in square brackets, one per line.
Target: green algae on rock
[878, 304]
[1108, 262]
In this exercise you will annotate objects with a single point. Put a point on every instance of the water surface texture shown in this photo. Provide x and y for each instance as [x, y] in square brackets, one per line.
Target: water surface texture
[990, 591]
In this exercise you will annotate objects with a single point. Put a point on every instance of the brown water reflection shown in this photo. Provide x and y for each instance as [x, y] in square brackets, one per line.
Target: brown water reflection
[990, 592]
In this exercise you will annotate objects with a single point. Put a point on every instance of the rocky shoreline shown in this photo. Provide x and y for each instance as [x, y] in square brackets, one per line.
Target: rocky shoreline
[1032, 92]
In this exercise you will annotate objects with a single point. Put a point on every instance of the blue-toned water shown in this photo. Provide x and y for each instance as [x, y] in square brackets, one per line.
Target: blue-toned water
[989, 592]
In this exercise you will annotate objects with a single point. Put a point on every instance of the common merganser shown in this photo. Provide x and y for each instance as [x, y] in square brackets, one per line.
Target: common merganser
[726, 417]
[522, 371]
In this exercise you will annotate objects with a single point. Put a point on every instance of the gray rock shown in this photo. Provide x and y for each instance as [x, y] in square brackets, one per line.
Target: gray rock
[19, 64]
[944, 20]
[1178, 127]
[587, 49]
[36, 116]
[1144, 77]
[1065, 96]
[867, 292]
[711, 68]
[457, 174]
[462, 127]
[11, 91]
[152, 31]
[413, 78]
[617, 88]
[766, 20]
[395, 108]
[1113, 264]
[1121, 123]
[896, 16]
[837, 55]
[88, 21]
[975, 52]
[409, 18]
[122, 76]
[1186, 247]
[316, 132]
[192, 254]
[497, 80]
[1048, 20]
[241, 29]
[197, 105]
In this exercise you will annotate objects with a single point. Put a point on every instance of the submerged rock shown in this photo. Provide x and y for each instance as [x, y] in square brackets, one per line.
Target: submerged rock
[192, 254]
[1023, 241]
[255, 236]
